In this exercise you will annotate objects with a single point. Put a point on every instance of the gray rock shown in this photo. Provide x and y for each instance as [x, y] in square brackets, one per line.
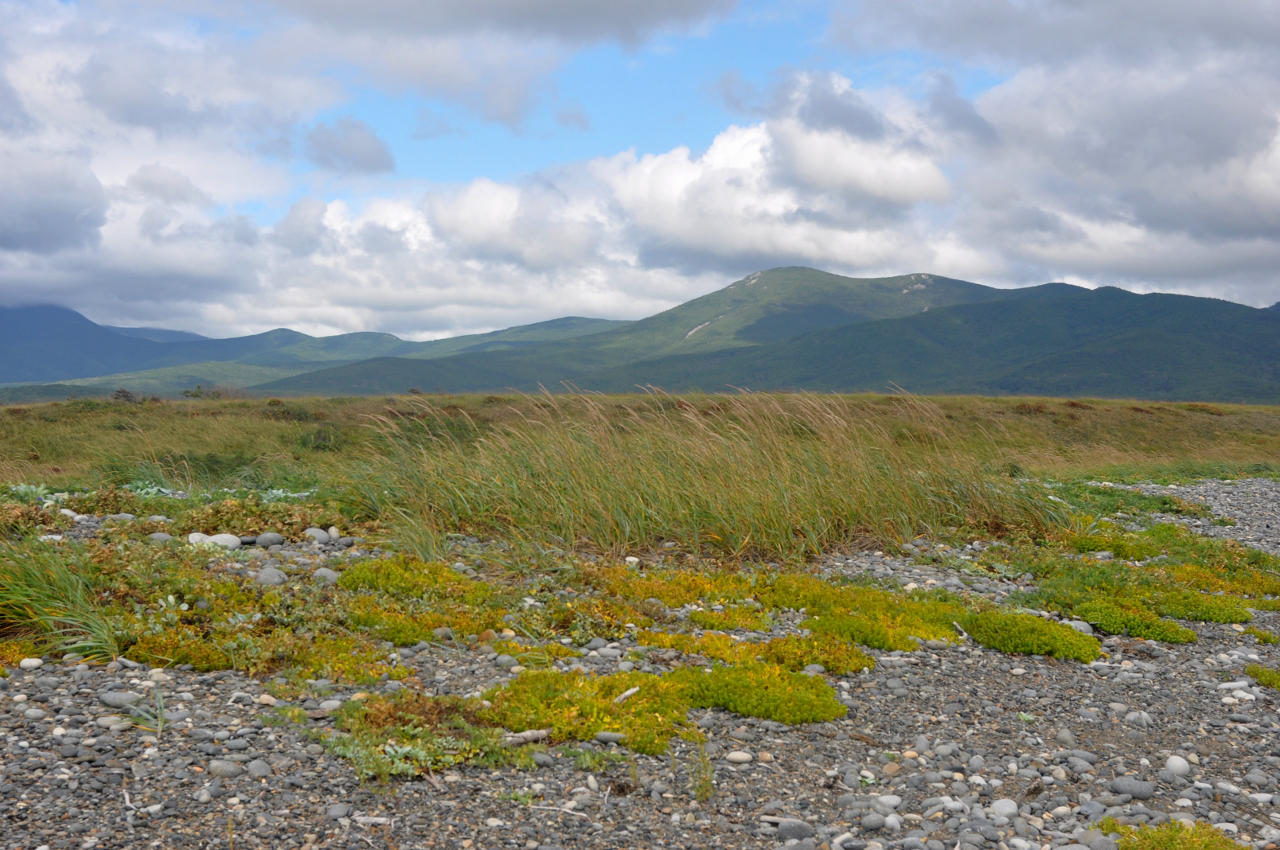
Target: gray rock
[1003, 808]
[119, 699]
[1135, 788]
[270, 577]
[318, 535]
[1259, 779]
[269, 538]
[336, 811]
[259, 768]
[1081, 626]
[610, 737]
[226, 541]
[790, 828]
[324, 575]
[1178, 766]
[159, 537]
[225, 769]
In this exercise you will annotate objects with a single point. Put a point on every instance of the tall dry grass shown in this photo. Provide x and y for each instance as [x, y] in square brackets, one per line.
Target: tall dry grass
[781, 475]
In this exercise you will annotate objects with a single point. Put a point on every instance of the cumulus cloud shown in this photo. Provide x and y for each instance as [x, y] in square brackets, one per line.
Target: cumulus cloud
[349, 145]
[302, 231]
[1059, 31]
[49, 205]
[572, 21]
[1105, 152]
[14, 119]
[167, 185]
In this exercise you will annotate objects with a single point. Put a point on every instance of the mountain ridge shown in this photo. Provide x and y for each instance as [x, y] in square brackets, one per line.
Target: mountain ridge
[785, 328]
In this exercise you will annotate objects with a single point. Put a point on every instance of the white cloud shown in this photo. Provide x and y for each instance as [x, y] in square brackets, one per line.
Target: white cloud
[140, 147]
[349, 145]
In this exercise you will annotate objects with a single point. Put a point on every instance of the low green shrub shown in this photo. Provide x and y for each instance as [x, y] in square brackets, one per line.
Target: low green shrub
[1170, 835]
[761, 690]
[1136, 622]
[1266, 676]
[1027, 634]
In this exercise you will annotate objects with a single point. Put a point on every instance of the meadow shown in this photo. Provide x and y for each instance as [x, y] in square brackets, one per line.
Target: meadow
[526, 527]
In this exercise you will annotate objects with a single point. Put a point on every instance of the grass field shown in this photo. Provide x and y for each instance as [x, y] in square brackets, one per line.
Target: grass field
[725, 499]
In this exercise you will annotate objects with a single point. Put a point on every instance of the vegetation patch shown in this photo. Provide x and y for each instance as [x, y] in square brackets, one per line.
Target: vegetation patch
[1170, 835]
[410, 734]
[1262, 636]
[1027, 634]
[1268, 677]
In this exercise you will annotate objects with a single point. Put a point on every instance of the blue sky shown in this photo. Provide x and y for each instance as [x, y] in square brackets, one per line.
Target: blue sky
[459, 166]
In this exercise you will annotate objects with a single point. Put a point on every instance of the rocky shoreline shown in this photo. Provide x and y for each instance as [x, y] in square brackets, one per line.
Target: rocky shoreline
[945, 748]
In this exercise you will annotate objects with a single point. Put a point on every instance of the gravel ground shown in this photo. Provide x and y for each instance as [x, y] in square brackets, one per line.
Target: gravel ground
[947, 748]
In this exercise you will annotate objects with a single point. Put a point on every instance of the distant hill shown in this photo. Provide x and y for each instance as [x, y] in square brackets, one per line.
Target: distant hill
[156, 334]
[1052, 340]
[44, 344]
[786, 328]
[765, 306]
[49, 345]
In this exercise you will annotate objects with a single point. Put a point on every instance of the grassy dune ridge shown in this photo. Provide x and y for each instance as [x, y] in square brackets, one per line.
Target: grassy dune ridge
[782, 476]
[365, 445]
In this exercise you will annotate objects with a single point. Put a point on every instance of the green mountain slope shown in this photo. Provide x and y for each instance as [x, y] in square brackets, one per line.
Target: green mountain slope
[55, 345]
[522, 336]
[762, 307]
[45, 343]
[1051, 340]
[779, 304]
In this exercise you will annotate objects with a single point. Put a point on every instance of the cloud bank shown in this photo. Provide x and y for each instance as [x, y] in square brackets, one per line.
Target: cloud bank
[1123, 143]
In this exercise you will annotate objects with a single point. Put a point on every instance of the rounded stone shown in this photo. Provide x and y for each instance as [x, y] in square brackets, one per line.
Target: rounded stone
[159, 537]
[225, 769]
[1135, 788]
[739, 757]
[1178, 766]
[270, 577]
[31, 663]
[195, 538]
[318, 535]
[324, 575]
[270, 538]
[1003, 808]
[790, 828]
[119, 699]
[226, 541]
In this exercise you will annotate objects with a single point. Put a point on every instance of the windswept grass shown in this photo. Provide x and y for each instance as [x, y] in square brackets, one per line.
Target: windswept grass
[45, 597]
[785, 476]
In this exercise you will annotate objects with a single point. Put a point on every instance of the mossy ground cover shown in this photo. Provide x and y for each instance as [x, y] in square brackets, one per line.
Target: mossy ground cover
[1139, 582]
[550, 576]
[1171, 835]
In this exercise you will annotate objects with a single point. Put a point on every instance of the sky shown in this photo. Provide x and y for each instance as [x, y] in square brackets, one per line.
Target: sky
[457, 166]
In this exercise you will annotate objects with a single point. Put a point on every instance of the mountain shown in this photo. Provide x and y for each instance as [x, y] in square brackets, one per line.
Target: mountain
[47, 344]
[780, 304]
[1049, 340]
[156, 334]
[787, 328]
[1053, 339]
